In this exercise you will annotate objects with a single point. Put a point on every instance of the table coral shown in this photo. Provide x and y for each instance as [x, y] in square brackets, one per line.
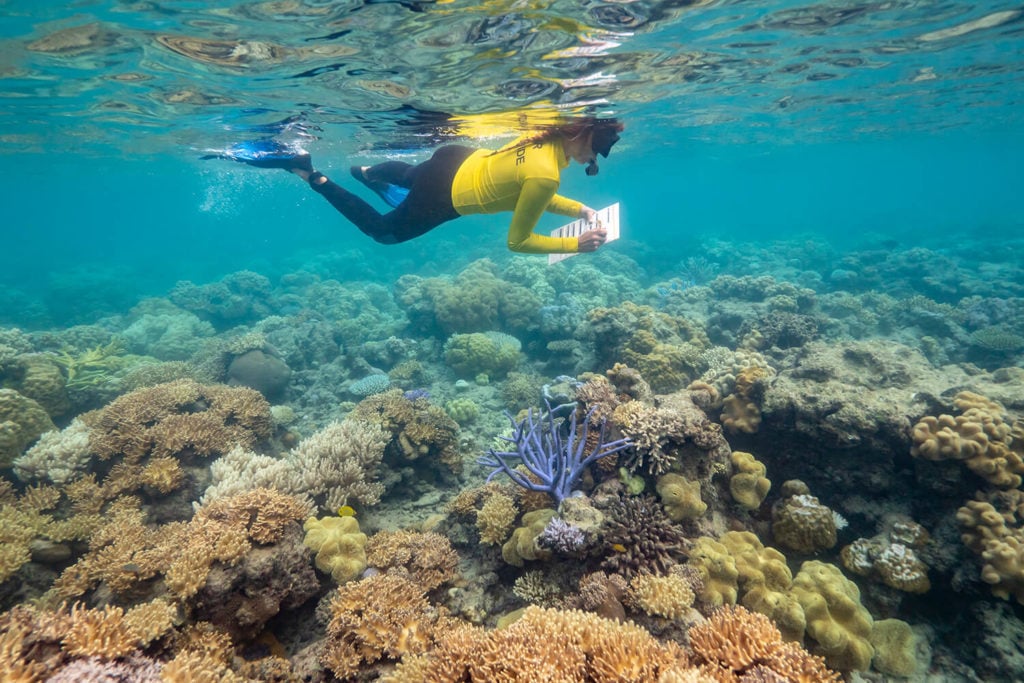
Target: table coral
[837, 621]
[978, 436]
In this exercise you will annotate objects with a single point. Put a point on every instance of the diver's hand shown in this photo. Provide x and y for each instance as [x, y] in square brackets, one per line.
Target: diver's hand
[588, 214]
[592, 239]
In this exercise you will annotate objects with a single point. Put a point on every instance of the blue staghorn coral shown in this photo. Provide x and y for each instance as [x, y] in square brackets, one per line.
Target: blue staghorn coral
[555, 461]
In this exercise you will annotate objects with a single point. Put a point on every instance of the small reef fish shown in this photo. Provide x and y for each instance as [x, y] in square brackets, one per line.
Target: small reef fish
[618, 547]
[346, 511]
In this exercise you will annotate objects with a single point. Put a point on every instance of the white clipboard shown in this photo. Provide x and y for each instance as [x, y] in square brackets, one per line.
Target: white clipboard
[607, 218]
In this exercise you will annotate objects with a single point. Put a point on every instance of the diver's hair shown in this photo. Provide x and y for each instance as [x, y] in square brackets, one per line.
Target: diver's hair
[569, 131]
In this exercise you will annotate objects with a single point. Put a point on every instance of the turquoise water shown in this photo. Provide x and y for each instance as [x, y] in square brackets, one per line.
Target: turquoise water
[822, 249]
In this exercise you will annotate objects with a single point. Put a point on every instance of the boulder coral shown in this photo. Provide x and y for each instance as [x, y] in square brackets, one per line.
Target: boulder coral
[891, 557]
[476, 353]
[979, 437]
[764, 580]
[664, 348]
[523, 544]
[801, 523]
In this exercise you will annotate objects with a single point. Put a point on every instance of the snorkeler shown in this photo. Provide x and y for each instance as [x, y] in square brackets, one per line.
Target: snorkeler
[521, 177]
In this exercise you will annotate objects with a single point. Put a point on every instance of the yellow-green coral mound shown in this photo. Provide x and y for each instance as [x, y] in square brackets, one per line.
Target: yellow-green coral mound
[836, 619]
[749, 486]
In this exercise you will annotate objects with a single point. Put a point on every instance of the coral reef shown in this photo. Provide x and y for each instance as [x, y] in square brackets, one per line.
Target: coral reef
[800, 522]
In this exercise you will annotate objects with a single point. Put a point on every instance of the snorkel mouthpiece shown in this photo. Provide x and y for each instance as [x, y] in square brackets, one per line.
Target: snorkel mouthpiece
[592, 168]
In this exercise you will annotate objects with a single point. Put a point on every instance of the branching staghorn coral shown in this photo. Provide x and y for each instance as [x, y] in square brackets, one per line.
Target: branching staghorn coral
[555, 462]
[336, 466]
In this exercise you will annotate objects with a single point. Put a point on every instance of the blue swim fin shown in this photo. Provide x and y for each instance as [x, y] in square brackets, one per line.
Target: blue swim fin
[266, 153]
[392, 194]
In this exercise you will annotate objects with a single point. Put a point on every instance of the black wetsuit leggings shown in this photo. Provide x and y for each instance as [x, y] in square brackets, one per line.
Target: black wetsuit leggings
[428, 205]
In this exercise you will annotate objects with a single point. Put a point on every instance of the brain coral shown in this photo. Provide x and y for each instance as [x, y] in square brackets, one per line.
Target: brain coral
[181, 419]
[978, 436]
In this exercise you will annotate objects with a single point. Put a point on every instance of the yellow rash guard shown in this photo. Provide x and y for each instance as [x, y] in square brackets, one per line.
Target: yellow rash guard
[523, 178]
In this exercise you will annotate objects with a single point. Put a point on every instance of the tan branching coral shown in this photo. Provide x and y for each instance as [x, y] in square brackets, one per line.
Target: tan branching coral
[496, 519]
[978, 436]
[102, 633]
[749, 646]
[385, 616]
[427, 558]
[668, 596]
[418, 429]
[181, 418]
[655, 432]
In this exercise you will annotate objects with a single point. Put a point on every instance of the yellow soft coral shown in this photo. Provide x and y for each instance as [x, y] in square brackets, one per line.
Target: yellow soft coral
[681, 497]
[978, 436]
[339, 546]
[749, 486]
[764, 582]
[836, 619]
[523, 544]
[717, 569]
